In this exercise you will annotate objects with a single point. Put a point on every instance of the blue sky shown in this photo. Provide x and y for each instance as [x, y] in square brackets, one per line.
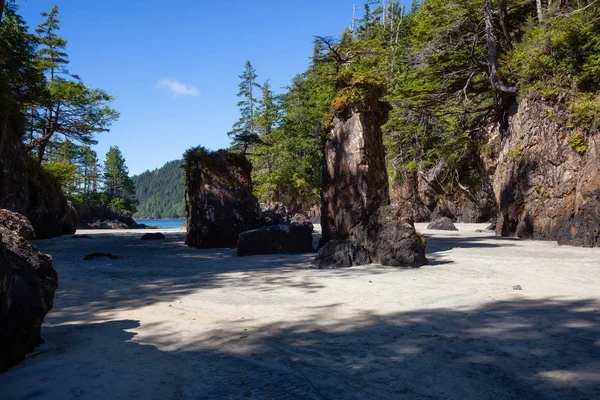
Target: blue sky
[173, 66]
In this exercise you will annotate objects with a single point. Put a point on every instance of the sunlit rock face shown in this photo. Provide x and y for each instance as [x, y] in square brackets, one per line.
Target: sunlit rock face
[546, 176]
[355, 181]
[219, 200]
[355, 210]
[27, 286]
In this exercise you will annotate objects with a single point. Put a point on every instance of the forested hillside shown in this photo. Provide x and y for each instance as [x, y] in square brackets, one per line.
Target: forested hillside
[452, 70]
[161, 192]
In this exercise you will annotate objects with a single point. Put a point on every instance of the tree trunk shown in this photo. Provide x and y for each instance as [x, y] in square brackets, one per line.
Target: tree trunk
[503, 16]
[538, 3]
[493, 51]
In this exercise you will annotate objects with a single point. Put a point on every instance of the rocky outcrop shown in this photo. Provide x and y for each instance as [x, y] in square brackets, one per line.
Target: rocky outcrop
[425, 200]
[355, 196]
[27, 189]
[27, 286]
[219, 200]
[273, 214]
[302, 219]
[276, 239]
[442, 224]
[355, 180]
[546, 175]
[16, 223]
[103, 218]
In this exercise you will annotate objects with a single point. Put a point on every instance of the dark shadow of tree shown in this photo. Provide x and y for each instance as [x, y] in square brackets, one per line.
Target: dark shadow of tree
[522, 349]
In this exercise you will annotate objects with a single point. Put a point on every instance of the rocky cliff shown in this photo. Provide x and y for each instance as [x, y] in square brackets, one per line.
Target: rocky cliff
[546, 175]
[26, 188]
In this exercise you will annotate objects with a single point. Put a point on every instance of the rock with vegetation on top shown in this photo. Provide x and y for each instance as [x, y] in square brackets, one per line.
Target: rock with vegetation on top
[442, 224]
[355, 196]
[27, 286]
[219, 200]
[276, 239]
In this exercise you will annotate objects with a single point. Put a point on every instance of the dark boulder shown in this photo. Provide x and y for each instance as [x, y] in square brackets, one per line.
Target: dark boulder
[442, 224]
[276, 239]
[27, 286]
[81, 237]
[101, 255]
[393, 241]
[219, 200]
[153, 236]
[341, 254]
[273, 214]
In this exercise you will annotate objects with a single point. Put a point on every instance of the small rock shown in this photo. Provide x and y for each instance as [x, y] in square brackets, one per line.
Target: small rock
[98, 255]
[81, 237]
[517, 287]
[442, 224]
[153, 236]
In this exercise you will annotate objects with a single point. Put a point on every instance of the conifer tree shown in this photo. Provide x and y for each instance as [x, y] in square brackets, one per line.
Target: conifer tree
[69, 108]
[116, 175]
[245, 131]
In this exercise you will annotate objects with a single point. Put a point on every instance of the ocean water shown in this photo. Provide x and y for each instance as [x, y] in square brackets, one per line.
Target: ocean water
[162, 223]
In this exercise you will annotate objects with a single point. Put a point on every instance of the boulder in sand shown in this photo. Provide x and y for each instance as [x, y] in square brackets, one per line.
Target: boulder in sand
[276, 239]
[153, 236]
[442, 224]
[17, 223]
[27, 286]
[341, 254]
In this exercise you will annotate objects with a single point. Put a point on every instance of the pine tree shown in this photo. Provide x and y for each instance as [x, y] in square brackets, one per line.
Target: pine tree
[69, 109]
[245, 131]
[116, 175]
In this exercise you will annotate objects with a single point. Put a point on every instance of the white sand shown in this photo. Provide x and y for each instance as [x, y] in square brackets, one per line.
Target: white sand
[172, 322]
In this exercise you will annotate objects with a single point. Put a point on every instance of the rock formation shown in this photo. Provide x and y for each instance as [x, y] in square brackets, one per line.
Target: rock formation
[355, 195]
[103, 218]
[219, 200]
[546, 176]
[27, 286]
[290, 238]
[420, 193]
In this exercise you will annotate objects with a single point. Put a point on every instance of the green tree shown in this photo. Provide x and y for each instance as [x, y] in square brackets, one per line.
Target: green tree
[245, 132]
[69, 108]
[116, 175]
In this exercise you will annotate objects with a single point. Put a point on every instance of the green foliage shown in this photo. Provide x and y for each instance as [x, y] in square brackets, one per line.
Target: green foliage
[161, 192]
[66, 109]
[577, 143]
[64, 172]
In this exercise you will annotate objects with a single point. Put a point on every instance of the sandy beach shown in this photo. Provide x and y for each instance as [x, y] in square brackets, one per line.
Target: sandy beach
[166, 321]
